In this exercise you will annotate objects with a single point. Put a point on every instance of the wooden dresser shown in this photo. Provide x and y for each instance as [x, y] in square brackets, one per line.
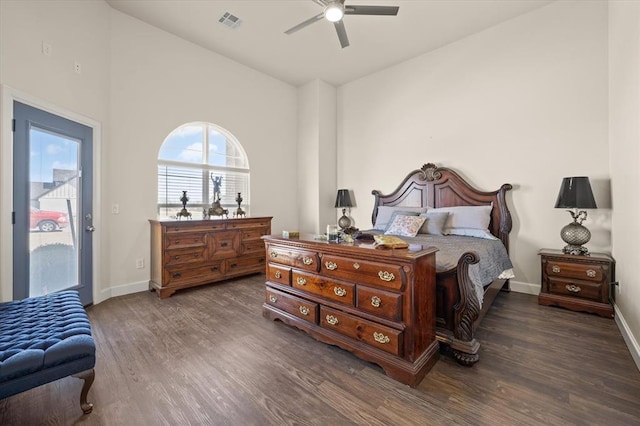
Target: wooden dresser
[579, 283]
[188, 253]
[378, 304]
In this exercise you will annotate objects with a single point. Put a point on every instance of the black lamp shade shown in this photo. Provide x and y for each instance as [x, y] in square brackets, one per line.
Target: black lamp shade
[343, 199]
[575, 192]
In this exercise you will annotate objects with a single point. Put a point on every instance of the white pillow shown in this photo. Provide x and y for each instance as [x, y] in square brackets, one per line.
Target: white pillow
[407, 226]
[470, 221]
[385, 212]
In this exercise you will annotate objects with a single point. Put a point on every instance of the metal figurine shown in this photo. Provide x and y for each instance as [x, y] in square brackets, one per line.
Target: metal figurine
[239, 211]
[184, 212]
[216, 209]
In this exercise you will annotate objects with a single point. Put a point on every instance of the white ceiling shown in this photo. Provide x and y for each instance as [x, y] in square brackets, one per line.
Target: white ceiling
[314, 52]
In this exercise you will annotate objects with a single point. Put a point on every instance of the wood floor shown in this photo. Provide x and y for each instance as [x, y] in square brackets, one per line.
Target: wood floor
[207, 356]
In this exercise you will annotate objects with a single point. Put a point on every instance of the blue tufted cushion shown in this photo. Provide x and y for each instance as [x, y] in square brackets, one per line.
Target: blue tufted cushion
[43, 332]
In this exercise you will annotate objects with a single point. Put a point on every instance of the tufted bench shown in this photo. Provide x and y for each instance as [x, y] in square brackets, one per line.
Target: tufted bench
[43, 339]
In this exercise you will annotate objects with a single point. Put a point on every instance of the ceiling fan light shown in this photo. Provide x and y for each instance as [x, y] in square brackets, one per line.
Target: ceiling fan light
[334, 12]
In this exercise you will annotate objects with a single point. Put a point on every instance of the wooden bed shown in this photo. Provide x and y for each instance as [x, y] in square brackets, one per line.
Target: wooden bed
[458, 311]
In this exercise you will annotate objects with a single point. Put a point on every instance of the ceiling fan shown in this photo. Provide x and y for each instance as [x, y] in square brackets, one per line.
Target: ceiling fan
[334, 10]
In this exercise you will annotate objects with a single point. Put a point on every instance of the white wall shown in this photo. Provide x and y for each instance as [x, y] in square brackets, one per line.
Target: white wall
[140, 83]
[50, 83]
[524, 102]
[160, 82]
[316, 161]
[624, 136]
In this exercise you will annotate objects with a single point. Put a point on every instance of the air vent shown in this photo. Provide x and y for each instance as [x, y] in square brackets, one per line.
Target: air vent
[230, 20]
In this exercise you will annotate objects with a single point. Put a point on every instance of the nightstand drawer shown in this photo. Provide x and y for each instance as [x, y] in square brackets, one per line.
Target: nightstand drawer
[582, 289]
[578, 271]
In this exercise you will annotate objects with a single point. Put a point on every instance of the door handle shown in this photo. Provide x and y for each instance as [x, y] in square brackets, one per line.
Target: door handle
[90, 228]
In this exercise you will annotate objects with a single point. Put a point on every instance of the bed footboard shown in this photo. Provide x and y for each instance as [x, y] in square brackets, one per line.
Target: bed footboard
[456, 325]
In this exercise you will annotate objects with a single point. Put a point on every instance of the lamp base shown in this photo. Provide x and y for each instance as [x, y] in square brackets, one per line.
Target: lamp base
[575, 250]
[575, 235]
[344, 222]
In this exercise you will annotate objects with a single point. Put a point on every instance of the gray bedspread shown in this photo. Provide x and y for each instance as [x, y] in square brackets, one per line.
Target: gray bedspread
[494, 260]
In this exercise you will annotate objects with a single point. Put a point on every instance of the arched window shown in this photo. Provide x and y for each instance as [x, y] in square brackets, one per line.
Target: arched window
[190, 158]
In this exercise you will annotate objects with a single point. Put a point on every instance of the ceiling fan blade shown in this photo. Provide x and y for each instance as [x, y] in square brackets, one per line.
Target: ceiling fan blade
[342, 33]
[371, 10]
[305, 23]
[322, 3]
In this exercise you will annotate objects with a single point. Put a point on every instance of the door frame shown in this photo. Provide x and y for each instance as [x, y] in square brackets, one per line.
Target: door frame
[9, 95]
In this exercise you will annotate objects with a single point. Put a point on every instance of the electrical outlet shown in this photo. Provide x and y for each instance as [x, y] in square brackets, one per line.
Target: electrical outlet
[140, 263]
[47, 48]
[77, 67]
[115, 208]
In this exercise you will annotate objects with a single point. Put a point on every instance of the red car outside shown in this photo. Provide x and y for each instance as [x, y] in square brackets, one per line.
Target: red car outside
[47, 221]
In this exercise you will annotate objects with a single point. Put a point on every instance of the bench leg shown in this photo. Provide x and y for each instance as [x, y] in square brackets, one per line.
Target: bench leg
[88, 377]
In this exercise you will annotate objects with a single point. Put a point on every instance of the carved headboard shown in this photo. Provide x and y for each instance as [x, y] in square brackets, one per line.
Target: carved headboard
[442, 187]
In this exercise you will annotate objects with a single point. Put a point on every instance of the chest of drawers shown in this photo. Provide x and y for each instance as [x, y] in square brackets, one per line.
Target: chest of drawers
[188, 253]
[579, 283]
[378, 304]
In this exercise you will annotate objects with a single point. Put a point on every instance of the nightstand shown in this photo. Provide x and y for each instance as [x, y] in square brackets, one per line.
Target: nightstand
[579, 283]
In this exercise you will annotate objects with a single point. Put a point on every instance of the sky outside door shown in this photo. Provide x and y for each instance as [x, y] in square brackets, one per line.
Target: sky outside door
[52, 203]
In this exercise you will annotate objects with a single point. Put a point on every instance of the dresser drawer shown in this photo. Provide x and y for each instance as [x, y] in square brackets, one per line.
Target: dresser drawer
[338, 292]
[574, 270]
[255, 234]
[202, 226]
[185, 256]
[378, 274]
[178, 276]
[279, 274]
[185, 239]
[245, 263]
[307, 260]
[376, 335]
[381, 303]
[299, 307]
[253, 246]
[582, 289]
[224, 245]
[242, 224]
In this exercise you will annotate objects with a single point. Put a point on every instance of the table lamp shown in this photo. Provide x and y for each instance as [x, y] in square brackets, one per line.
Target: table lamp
[343, 200]
[575, 193]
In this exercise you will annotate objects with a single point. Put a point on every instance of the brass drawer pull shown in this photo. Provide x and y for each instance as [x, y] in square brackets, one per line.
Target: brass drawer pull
[304, 310]
[196, 255]
[386, 276]
[272, 298]
[214, 268]
[278, 274]
[273, 253]
[375, 301]
[591, 273]
[332, 320]
[339, 291]
[176, 257]
[380, 338]
[555, 269]
[307, 260]
[356, 265]
[573, 288]
[331, 266]
[224, 244]
[301, 281]
[176, 275]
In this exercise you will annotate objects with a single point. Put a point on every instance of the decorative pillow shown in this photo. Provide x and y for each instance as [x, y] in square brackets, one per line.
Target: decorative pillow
[435, 222]
[407, 226]
[470, 221]
[396, 213]
[384, 214]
